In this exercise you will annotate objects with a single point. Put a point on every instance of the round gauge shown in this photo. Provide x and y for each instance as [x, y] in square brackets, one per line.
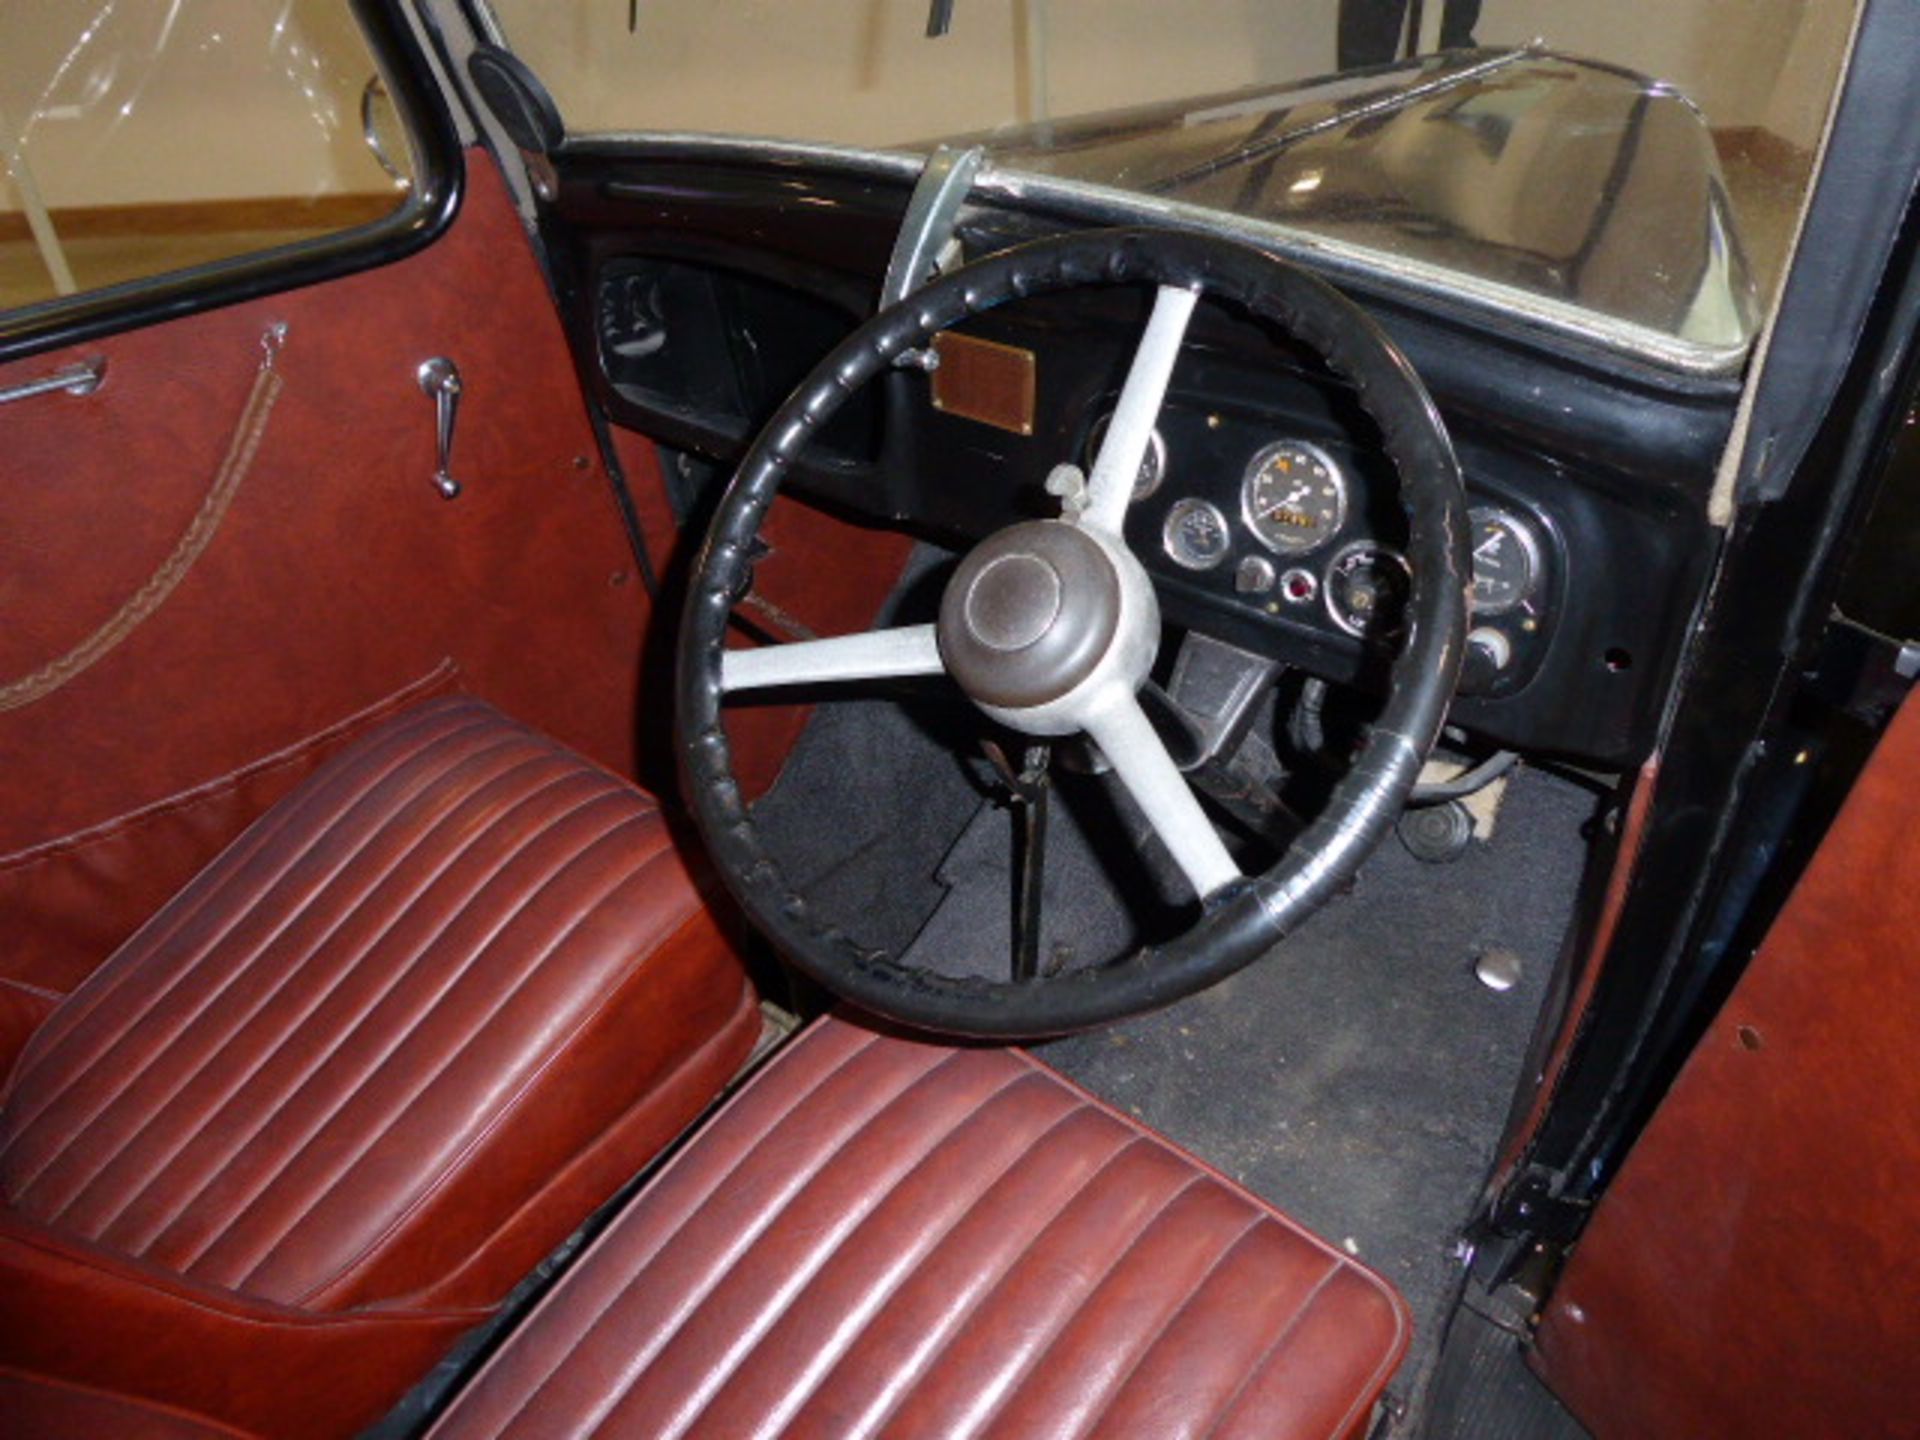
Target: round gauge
[1367, 587]
[1293, 497]
[1196, 534]
[1506, 560]
[1153, 464]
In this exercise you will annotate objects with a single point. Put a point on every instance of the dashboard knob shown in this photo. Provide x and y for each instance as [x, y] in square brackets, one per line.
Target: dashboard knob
[1255, 576]
[1489, 652]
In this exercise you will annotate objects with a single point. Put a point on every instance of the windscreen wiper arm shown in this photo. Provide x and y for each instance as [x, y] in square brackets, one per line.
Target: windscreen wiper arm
[1263, 146]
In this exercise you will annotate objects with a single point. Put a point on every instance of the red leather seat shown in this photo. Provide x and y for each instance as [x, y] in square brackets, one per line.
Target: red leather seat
[879, 1236]
[32, 1405]
[333, 1101]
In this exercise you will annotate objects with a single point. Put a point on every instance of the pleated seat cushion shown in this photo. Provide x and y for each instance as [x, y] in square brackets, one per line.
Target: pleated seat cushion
[886, 1237]
[397, 1041]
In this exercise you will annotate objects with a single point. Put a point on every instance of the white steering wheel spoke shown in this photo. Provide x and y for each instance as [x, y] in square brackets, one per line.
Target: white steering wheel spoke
[1132, 746]
[876, 655]
[1130, 431]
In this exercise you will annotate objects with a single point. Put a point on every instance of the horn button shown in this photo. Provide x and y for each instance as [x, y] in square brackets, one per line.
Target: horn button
[1029, 614]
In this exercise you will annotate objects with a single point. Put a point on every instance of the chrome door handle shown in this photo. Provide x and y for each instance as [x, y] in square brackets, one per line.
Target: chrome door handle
[81, 379]
[440, 379]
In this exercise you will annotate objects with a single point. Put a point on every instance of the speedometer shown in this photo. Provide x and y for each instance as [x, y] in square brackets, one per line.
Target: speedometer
[1293, 497]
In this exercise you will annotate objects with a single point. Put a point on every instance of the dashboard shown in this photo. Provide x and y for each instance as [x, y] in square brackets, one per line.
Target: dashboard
[1266, 511]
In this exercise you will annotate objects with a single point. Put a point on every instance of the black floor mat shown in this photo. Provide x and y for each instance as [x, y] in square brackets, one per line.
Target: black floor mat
[865, 810]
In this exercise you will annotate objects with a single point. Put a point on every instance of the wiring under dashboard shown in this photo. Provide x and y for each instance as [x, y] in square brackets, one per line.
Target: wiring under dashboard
[1468, 782]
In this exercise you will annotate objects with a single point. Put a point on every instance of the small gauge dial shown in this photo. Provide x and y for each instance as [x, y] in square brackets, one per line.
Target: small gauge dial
[1153, 464]
[1293, 497]
[1196, 534]
[1367, 587]
[1506, 560]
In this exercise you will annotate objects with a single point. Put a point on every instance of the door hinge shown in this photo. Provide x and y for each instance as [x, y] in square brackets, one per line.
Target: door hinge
[1530, 1206]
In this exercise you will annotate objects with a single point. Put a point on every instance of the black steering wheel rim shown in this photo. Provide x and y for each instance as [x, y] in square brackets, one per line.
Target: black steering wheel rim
[1246, 918]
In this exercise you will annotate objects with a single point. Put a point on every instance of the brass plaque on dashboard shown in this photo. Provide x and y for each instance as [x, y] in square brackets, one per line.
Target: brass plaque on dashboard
[985, 381]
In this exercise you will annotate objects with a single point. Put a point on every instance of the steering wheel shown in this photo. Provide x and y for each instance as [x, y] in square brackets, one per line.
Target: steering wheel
[1051, 626]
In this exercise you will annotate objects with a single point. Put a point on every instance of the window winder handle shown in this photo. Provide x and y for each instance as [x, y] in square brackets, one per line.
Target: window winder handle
[440, 379]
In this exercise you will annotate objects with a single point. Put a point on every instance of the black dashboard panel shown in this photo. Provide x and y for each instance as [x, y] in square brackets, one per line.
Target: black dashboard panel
[1603, 476]
[717, 349]
[1617, 562]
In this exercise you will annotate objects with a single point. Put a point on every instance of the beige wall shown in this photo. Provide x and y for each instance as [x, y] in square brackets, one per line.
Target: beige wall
[1797, 107]
[1766, 63]
[863, 71]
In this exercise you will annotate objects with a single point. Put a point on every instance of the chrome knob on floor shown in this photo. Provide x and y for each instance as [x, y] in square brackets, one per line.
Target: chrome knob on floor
[1498, 969]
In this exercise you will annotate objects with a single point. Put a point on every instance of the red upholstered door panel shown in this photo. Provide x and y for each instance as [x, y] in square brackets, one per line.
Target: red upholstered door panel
[337, 577]
[1752, 1271]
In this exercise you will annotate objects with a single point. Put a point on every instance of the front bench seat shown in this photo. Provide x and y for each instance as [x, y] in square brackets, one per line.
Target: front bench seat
[320, 1113]
[884, 1237]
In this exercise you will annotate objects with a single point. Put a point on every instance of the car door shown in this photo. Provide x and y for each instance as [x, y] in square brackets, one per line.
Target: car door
[223, 551]
[1750, 1271]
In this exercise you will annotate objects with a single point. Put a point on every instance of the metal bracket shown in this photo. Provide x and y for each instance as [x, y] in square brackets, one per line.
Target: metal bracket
[1216, 686]
[1530, 1207]
[1863, 672]
[927, 229]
